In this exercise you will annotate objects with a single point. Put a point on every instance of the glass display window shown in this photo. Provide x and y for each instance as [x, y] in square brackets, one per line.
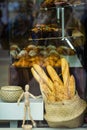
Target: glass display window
[41, 33]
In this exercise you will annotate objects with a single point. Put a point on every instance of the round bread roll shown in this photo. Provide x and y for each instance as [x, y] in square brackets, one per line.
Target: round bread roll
[32, 53]
[63, 50]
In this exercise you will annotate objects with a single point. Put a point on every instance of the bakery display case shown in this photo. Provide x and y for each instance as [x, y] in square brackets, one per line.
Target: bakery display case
[43, 32]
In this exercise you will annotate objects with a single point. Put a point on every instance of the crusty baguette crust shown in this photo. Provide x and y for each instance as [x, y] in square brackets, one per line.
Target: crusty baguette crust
[35, 74]
[53, 74]
[44, 88]
[43, 76]
[53, 89]
[72, 88]
[65, 71]
[60, 92]
[46, 92]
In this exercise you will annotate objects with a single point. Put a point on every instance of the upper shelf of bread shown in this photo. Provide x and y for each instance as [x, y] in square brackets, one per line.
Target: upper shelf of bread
[48, 22]
[51, 24]
[57, 19]
[60, 3]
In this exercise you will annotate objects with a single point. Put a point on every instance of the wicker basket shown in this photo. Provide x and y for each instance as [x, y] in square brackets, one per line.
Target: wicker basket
[68, 113]
[10, 93]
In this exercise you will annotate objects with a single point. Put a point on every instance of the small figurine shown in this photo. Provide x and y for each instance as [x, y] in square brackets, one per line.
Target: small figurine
[26, 96]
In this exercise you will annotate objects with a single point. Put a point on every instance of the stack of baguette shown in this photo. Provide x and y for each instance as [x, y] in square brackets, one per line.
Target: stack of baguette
[54, 88]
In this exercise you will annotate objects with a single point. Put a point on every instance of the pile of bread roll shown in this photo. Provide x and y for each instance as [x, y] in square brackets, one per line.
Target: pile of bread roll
[51, 2]
[41, 55]
[54, 88]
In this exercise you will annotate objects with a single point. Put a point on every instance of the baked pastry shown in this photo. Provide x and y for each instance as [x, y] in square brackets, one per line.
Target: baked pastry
[63, 50]
[52, 87]
[14, 47]
[22, 53]
[76, 33]
[47, 3]
[60, 2]
[51, 47]
[65, 71]
[53, 74]
[45, 30]
[14, 50]
[74, 1]
[13, 54]
[43, 76]
[40, 55]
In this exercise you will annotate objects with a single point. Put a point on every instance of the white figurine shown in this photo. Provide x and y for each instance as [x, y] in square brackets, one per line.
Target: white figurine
[26, 96]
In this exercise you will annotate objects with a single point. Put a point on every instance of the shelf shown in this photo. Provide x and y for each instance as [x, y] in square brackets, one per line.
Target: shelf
[63, 5]
[50, 38]
[12, 112]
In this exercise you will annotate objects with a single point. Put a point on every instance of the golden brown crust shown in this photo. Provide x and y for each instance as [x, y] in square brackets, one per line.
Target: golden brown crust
[43, 76]
[71, 87]
[63, 50]
[54, 76]
[36, 76]
[65, 71]
[46, 91]
[54, 89]
[60, 91]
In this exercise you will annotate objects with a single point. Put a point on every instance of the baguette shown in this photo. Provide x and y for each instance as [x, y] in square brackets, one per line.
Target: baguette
[36, 76]
[65, 71]
[53, 74]
[49, 96]
[44, 91]
[72, 86]
[43, 87]
[60, 92]
[43, 76]
[53, 89]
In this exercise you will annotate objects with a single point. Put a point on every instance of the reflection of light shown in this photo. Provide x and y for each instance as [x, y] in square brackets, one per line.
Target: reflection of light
[69, 43]
[3, 7]
[13, 6]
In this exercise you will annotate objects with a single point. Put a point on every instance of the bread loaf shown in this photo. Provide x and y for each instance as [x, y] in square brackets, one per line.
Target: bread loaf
[43, 76]
[65, 71]
[71, 87]
[53, 74]
[35, 74]
[53, 88]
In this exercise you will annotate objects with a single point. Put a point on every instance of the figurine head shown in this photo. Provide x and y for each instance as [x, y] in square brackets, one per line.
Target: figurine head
[27, 87]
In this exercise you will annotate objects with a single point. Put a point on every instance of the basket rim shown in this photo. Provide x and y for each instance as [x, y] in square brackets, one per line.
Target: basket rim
[11, 88]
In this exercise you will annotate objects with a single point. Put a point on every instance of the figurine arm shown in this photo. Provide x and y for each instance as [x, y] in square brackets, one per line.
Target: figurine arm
[35, 97]
[39, 96]
[20, 98]
[32, 95]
